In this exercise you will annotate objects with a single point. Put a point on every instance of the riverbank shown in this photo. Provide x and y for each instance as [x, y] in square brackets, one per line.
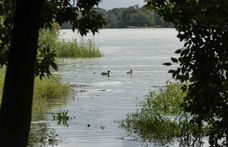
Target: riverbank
[47, 90]
[67, 48]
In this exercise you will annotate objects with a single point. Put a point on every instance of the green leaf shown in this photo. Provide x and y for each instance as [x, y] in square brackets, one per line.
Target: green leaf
[174, 60]
[171, 71]
[178, 51]
[167, 64]
[54, 66]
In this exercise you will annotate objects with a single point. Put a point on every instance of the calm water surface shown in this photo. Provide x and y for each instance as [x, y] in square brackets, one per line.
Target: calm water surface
[109, 98]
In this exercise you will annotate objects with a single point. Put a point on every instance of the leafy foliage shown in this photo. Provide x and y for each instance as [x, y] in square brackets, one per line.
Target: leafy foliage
[162, 121]
[30, 17]
[203, 27]
[133, 16]
[80, 14]
[6, 26]
[47, 90]
[62, 118]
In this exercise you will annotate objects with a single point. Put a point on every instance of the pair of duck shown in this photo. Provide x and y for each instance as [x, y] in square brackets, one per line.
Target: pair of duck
[104, 73]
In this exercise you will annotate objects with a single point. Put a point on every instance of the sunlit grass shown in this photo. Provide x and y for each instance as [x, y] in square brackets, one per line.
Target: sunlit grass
[46, 91]
[66, 48]
[2, 78]
[77, 49]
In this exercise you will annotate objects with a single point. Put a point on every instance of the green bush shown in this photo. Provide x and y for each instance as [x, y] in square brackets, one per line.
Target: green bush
[48, 90]
[161, 120]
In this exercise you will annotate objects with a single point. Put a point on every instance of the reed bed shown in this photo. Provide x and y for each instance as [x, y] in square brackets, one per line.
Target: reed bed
[77, 49]
[48, 91]
[68, 48]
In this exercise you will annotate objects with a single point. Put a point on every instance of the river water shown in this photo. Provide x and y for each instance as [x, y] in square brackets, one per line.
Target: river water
[105, 99]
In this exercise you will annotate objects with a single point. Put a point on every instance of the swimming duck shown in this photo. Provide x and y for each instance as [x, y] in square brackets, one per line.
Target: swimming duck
[104, 73]
[129, 72]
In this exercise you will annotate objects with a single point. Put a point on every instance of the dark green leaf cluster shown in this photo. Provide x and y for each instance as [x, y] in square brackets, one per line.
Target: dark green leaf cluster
[203, 27]
[6, 26]
[45, 60]
[81, 15]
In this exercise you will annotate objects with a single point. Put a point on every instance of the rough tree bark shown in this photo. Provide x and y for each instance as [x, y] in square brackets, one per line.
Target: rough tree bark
[15, 113]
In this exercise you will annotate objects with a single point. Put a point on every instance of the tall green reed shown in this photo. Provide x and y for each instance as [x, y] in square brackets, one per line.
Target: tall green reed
[67, 48]
[48, 90]
[77, 49]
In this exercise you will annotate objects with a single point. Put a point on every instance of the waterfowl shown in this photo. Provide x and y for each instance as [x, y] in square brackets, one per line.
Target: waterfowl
[104, 73]
[129, 72]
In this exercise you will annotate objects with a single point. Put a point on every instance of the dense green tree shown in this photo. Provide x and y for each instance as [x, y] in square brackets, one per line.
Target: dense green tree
[203, 27]
[111, 19]
[139, 19]
[117, 10]
[123, 18]
[22, 21]
[150, 14]
[102, 12]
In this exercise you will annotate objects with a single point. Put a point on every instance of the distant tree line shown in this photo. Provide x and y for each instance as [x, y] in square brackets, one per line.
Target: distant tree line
[132, 16]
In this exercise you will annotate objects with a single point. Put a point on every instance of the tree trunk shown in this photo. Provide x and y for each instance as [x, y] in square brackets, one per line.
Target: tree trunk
[15, 113]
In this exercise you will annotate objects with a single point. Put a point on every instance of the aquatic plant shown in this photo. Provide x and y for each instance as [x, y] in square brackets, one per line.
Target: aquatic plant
[62, 118]
[77, 49]
[52, 140]
[41, 137]
[47, 90]
[161, 120]
[67, 48]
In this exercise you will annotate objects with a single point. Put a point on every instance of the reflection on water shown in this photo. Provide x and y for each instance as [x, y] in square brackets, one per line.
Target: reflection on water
[109, 98]
[41, 136]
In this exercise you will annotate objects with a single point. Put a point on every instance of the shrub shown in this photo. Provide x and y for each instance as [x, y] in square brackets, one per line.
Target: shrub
[161, 119]
[48, 90]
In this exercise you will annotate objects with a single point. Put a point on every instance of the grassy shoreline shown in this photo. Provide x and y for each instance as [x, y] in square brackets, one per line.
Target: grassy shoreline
[68, 48]
[49, 90]
[46, 91]
[73, 48]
